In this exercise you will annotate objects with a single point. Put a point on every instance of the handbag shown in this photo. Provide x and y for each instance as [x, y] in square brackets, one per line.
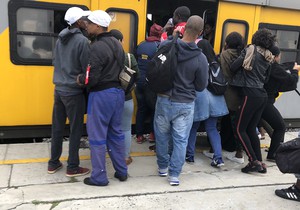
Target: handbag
[127, 77]
[287, 156]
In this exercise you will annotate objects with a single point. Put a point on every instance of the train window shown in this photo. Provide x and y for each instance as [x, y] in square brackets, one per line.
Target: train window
[125, 21]
[239, 26]
[34, 28]
[288, 40]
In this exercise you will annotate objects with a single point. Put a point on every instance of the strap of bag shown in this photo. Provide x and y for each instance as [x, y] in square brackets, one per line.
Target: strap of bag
[129, 60]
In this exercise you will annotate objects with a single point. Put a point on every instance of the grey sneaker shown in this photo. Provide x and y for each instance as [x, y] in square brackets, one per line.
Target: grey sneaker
[163, 172]
[174, 181]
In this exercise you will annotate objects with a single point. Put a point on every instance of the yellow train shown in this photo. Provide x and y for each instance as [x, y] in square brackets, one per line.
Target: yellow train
[29, 29]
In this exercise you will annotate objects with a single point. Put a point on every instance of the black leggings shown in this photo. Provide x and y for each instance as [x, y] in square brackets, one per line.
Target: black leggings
[247, 118]
[273, 117]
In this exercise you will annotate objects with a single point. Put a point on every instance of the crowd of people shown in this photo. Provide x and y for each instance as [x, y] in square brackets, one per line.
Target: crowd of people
[254, 74]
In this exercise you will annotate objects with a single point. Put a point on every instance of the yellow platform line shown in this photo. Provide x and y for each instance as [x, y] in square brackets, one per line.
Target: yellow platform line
[82, 157]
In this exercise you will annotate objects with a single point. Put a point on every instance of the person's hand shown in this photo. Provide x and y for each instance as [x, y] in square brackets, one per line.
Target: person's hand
[78, 80]
[296, 67]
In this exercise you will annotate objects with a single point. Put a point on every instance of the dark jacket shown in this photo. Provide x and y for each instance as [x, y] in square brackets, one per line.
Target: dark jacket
[71, 58]
[280, 80]
[255, 78]
[145, 52]
[231, 94]
[105, 68]
[191, 72]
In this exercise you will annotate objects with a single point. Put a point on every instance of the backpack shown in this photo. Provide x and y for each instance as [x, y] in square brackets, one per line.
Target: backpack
[287, 156]
[217, 83]
[127, 77]
[160, 69]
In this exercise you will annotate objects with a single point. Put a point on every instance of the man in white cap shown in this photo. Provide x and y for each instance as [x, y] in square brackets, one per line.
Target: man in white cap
[106, 101]
[71, 57]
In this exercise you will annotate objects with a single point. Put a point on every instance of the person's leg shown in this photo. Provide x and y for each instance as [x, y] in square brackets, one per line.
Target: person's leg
[226, 133]
[126, 125]
[239, 148]
[215, 140]
[243, 117]
[59, 118]
[182, 120]
[99, 113]
[251, 129]
[115, 136]
[162, 131]
[273, 117]
[190, 149]
[75, 106]
[141, 112]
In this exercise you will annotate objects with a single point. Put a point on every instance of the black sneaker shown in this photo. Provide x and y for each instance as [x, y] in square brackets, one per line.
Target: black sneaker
[189, 159]
[121, 178]
[253, 166]
[88, 181]
[264, 166]
[291, 193]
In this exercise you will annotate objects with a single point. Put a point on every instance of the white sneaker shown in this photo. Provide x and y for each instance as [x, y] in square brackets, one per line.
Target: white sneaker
[208, 154]
[235, 159]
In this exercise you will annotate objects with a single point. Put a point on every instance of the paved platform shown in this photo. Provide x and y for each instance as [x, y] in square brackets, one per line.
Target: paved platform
[25, 183]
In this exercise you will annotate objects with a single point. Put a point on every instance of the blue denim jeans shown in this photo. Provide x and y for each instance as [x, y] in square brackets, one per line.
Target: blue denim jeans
[213, 134]
[172, 123]
[126, 125]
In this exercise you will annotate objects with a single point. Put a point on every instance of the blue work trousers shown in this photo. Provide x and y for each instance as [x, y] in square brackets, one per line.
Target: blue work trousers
[105, 134]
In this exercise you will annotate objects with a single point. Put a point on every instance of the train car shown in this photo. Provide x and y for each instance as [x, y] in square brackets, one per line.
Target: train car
[29, 29]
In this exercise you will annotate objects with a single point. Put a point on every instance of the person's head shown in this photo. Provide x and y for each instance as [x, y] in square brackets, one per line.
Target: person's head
[264, 38]
[234, 40]
[117, 34]
[276, 52]
[181, 14]
[156, 30]
[98, 22]
[193, 27]
[209, 27]
[74, 16]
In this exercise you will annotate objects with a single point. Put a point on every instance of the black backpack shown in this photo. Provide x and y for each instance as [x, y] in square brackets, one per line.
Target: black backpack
[160, 70]
[217, 84]
[287, 156]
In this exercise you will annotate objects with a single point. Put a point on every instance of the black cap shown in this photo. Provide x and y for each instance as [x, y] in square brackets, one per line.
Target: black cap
[117, 34]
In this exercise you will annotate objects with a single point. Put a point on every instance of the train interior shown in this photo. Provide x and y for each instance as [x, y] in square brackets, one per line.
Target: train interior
[159, 11]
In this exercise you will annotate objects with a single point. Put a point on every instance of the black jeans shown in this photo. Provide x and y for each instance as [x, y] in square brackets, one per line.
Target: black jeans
[247, 118]
[273, 117]
[144, 109]
[73, 108]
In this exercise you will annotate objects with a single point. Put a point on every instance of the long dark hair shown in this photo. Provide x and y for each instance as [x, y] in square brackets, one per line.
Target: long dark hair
[207, 49]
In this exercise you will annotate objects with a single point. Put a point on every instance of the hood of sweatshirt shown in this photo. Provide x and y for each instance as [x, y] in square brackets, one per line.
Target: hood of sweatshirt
[67, 33]
[187, 51]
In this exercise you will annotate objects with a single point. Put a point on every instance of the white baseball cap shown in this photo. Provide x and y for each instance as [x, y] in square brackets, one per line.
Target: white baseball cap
[100, 18]
[75, 13]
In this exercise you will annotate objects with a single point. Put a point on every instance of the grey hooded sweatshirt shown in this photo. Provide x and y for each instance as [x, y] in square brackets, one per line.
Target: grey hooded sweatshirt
[71, 57]
[191, 73]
